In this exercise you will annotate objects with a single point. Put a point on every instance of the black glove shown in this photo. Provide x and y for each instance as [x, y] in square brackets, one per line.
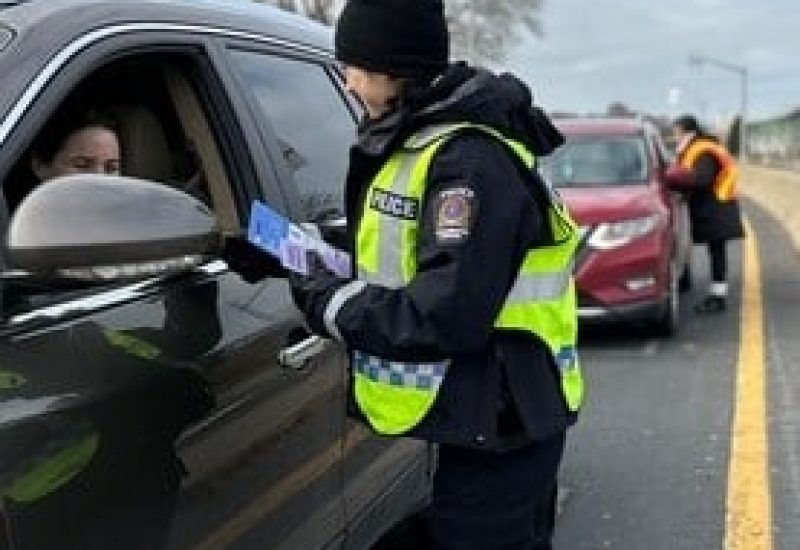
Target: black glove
[313, 291]
[250, 262]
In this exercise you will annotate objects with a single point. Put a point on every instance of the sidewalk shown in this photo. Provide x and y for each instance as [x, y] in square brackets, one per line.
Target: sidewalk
[778, 192]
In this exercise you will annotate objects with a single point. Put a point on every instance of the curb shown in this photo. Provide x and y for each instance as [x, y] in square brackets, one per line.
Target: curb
[778, 192]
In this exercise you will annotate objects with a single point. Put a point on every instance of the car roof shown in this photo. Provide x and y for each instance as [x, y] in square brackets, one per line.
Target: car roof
[237, 15]
[600, 126]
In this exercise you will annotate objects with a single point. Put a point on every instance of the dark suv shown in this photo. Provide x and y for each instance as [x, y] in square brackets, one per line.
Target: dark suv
[150, 397]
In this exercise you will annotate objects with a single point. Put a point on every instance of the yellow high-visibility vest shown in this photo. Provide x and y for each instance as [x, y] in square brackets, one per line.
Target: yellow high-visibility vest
[724, 187]
[395, 396]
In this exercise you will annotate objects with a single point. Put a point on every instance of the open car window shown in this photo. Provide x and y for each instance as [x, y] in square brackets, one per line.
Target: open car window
[165, 135]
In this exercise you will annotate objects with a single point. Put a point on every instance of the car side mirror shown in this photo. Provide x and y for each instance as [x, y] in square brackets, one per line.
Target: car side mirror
[101, 228]
[678, 178]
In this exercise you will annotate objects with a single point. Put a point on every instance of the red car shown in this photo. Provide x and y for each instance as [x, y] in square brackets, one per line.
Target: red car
[635, 247]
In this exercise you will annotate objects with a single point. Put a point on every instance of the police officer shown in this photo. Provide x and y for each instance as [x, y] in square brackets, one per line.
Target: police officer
[461, 321]
[713, 208]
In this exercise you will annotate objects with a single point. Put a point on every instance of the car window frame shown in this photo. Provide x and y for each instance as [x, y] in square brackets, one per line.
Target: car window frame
[327, 63]
[83, 64]
[171, 34]
[79, 66]
[659, 149]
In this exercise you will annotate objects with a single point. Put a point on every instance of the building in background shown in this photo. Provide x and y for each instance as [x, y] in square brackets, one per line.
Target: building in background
[776, 141]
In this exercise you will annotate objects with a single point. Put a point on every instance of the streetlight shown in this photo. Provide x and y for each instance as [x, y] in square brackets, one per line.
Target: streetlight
[473, 22]
[741, 70]
[673, 99]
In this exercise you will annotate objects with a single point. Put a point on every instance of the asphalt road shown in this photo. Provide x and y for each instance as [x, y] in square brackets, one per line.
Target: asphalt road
[647, 466]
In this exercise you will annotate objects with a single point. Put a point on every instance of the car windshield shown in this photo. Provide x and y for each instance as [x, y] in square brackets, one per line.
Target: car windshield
[597, 160]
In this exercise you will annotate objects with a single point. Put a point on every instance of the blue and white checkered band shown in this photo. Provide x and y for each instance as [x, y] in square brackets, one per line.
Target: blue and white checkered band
[420, 376]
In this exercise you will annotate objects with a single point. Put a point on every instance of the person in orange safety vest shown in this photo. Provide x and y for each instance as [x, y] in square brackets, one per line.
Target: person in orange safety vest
[713, 207]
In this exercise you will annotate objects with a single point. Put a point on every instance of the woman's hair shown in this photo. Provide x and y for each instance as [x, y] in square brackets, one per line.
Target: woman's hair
[65, 123]
[20, 180]
[688, 123]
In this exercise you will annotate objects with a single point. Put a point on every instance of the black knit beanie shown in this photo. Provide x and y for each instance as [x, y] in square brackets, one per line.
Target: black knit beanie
[402, 38]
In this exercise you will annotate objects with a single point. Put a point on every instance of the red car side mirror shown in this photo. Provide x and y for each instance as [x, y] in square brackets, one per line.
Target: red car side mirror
[677, 177]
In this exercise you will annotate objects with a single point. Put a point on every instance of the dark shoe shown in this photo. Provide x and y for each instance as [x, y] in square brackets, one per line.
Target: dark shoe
[711, 304]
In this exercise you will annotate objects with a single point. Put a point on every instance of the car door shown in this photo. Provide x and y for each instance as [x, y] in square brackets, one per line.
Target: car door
[679, 211]
[302, 106]
[188, 432]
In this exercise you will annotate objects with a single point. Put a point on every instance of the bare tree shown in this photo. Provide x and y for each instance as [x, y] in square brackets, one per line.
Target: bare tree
[481, 30]
[619, 109]
[324, 11]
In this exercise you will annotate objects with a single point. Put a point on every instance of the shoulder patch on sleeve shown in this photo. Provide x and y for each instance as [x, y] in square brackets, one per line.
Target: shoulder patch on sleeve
[455, 210]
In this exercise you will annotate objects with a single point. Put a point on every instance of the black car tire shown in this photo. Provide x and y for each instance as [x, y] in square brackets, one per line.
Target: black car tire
[685, 282]
[667, 318]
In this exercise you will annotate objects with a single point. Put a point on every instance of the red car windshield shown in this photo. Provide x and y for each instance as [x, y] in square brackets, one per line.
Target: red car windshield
[597, 160]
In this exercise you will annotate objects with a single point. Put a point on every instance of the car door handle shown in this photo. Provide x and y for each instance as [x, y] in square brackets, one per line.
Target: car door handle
[299, 355]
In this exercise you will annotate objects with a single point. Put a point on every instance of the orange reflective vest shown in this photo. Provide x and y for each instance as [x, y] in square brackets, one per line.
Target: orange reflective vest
[724, 187]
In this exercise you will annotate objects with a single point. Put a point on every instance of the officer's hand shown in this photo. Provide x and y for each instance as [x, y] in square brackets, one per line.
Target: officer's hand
[249, 262]
[313, 291]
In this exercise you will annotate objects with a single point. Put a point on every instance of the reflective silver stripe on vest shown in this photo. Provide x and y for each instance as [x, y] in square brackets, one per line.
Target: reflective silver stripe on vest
[539, 287]
[429, 134]
[390, 257]
[339, 299]
[420, 376]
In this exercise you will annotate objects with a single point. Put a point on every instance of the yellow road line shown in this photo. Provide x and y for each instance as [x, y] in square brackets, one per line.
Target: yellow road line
[748, 507]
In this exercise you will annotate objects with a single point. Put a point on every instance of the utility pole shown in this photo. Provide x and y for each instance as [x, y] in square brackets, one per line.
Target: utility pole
[471, 17]
[741, 70]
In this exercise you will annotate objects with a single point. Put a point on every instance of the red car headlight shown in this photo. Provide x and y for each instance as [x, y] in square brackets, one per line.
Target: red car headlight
[607, 236]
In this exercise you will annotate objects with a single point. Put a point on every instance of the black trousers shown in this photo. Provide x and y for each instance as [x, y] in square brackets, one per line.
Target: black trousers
[495, 501]
[717, 252]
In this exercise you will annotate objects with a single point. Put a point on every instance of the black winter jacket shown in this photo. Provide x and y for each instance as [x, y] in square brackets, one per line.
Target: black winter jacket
[711, 219]
[502, 389]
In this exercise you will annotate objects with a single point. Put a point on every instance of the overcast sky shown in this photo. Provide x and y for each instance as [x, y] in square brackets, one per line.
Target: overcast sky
[635, 51]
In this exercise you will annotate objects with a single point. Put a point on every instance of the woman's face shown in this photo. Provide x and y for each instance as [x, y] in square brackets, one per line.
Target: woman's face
[678, 132]
[376, 91]
[92, 149]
